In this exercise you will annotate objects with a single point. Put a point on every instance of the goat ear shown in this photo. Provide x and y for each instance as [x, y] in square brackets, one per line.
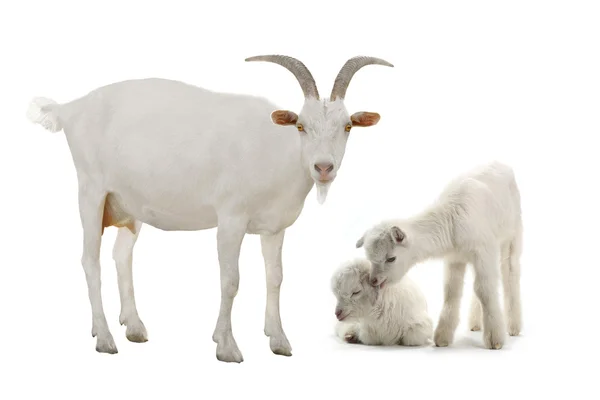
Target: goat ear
[284, 117]
[364, 277]
[360, 242]
[397, 235]
[364, 118]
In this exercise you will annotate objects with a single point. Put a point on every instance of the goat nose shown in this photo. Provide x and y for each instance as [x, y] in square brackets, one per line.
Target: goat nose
[338, 313]
[374, 281]
[324, 168]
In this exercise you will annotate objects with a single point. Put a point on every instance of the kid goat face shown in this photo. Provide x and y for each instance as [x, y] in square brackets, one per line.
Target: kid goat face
[388, 250]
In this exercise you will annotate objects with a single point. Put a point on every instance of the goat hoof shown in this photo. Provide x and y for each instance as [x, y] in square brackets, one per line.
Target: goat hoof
[351, 338]
[493, 340]
[227, 350]
[514, 329]
[442, 338]
[106, 345]
[475, 328]
[136, 332]
[280, 346]
[227, 355]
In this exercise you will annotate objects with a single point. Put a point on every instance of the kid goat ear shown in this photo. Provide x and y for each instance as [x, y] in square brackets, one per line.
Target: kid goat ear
[360, 242]
[397, 235]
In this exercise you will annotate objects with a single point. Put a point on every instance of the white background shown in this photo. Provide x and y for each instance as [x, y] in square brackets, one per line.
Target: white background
[516, 81]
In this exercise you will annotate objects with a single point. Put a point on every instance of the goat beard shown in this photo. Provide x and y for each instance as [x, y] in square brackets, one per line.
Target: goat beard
[322, 190]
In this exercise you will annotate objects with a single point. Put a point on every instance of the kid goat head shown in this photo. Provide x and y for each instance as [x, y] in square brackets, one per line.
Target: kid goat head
[355, 296]
[389, 251]
[323, 124]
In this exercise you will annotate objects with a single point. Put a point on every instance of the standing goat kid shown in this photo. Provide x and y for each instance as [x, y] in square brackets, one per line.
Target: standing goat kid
[179, 157]
[477, 220]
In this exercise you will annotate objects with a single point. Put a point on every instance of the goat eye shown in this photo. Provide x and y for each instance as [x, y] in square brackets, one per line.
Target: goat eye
[348, 127]
[355, 293]
[300, 127]
[391, 259]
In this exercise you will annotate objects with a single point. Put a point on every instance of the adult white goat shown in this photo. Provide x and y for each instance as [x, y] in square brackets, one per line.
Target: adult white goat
[179, 157]
[477, 220]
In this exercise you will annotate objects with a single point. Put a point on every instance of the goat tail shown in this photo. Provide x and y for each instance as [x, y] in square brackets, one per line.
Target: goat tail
[44, 111]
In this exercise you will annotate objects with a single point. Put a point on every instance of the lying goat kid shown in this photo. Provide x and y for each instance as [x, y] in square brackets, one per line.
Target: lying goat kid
[385, 315]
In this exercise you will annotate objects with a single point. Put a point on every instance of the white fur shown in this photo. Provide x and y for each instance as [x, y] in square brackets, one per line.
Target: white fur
[476, 220]
[40, 112]
[395, 314]
[179, 157]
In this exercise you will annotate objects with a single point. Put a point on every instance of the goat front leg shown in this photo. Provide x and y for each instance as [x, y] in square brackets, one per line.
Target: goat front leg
[91, 209]
[123, 256]
[271, 249]
[449, 317]
[230, 234]
[486, 288]
[348, 332]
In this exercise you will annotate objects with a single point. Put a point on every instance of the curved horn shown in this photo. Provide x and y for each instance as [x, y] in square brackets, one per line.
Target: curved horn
[296, 67]
[347, 72]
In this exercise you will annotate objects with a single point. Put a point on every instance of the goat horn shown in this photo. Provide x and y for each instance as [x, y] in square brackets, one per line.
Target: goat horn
[305, 78]
[347, 72]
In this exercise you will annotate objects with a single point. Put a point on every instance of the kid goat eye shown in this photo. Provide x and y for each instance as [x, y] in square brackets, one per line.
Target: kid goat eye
[391, 259]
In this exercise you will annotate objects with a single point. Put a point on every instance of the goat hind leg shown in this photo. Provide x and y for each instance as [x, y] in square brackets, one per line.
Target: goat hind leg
[123, 256]
[91, 209]
[418, 334]
[511, 275]
[486, 289]
[475, 314]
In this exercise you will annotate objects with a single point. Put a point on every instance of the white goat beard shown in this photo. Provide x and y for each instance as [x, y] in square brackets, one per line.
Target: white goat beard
[322, 191]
